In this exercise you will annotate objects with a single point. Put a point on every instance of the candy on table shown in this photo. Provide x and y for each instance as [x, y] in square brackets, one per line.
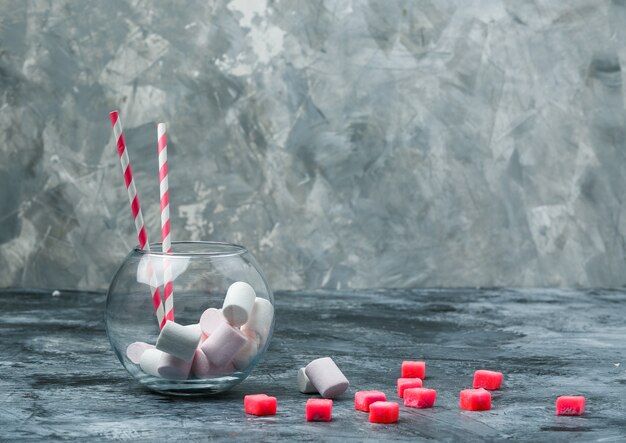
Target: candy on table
[223, 344]
[304, 384]
[475, 400]
[259, 404]
[178, 340]
[238, 303]
[413, 369]
[490, 380]
[260, 320]
[363, 399]
[210, 320]
[419, 397]
[326, 377]
[570, 405]
[134, 351]
[384, 412]
[405, 383]
[319, 409]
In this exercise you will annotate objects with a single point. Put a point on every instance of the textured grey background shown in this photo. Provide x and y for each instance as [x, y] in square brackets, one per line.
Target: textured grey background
[347, 144]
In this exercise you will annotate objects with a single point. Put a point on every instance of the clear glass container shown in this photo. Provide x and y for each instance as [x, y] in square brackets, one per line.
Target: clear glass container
[201, 273]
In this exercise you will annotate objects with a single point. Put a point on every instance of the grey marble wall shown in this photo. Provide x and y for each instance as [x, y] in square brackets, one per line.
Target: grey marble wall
[346, 143]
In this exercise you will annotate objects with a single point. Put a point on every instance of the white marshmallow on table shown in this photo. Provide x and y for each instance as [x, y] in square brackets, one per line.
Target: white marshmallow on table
[304, 384]
[247, 353]
[326, 377]
[211, 319]
[260, 320]
[178, 340]
[134, 351]
[161, 364]
[238, 303]
[223, 344]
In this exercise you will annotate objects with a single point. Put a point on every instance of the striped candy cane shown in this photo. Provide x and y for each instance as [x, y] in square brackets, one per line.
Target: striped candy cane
[142, 235]
[166, 239]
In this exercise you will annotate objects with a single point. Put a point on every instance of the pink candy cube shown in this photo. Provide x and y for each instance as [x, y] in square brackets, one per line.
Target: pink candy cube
[363, 399]
[404, 383]
[319, 409]
[259, 404]
[384, 412]
[414, 369]
[490, 380]
[570, 405]
[419, 397]
[475, 400]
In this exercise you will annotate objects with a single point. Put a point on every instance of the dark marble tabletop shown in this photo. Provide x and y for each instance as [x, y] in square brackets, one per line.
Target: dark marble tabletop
[59, 378]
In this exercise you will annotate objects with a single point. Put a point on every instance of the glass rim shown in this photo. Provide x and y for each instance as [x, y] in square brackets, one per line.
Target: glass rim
[195, 248]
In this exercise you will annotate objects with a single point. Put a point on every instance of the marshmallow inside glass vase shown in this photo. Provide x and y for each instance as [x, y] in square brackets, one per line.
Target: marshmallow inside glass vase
[218, 321]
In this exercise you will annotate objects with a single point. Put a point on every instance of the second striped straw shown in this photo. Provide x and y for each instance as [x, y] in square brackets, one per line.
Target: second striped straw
[166, 239]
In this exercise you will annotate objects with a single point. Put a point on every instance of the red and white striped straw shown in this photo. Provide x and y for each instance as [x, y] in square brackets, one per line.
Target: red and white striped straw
[166, 238]
[142, 235]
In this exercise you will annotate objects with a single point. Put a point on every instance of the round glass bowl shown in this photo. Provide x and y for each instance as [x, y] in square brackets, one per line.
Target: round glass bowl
[201, 274]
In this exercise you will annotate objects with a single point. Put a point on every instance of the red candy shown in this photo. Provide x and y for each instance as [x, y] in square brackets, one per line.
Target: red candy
[414, 369]
[487, 379]
[475, 400]
[570, 405]
[404, 383]
[419, 397]
[259, 404]
[384, 412]
[319, 409]
[363, 399]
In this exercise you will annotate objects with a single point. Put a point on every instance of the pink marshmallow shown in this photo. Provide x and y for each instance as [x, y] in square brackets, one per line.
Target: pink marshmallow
[134, 351]
[210, 320]
[227, 369]
[223, 344]
[243, 358]
[202, 367]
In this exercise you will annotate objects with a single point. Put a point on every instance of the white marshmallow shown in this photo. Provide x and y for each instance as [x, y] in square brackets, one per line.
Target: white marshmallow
[134, 351]
[261, 319]
[223, 344]
[180, 341]
[304, 384]
[238, 303]
[211, 319]
[326, 377]
[149, 361]
[173, 367]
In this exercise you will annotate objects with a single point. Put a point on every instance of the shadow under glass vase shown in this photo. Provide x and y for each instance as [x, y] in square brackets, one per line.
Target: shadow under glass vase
[201, 274]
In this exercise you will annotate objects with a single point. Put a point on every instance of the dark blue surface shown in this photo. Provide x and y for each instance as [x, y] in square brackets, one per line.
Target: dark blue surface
[59, 379]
